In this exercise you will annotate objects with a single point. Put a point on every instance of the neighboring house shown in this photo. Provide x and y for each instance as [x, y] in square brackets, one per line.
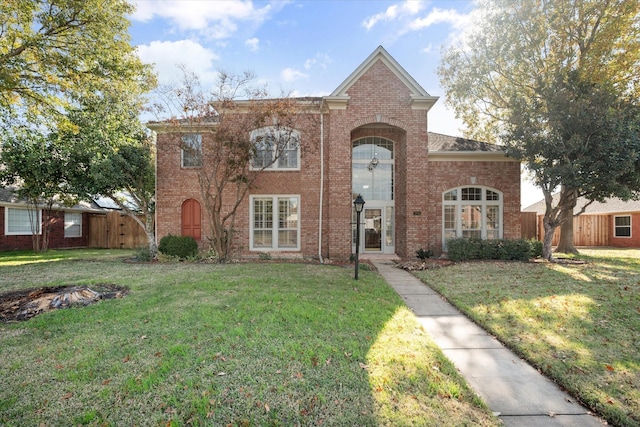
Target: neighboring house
[68, 226]
[420, 188]
[613, 223]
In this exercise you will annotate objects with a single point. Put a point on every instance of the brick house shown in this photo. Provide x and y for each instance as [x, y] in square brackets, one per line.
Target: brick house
[420, 188]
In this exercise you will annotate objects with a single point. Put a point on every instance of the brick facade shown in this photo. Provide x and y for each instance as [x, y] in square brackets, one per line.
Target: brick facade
[56, 234]
[378, 100]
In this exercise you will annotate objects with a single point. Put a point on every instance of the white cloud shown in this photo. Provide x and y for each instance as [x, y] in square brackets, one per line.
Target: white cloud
[253, 44]
[291, 74]
[439, 16]
[215, 19]
[393, 12]
[321, 60]
[167, 55]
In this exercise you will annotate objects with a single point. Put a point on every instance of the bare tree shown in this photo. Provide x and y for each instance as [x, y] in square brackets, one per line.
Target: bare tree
[248, 132]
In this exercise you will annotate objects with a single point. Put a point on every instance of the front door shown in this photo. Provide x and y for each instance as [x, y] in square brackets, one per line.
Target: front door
[372, 230]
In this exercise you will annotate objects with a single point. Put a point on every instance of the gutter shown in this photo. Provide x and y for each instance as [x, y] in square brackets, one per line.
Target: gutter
[321, 187]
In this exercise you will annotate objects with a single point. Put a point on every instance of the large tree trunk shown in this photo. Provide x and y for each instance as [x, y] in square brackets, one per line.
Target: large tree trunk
[549, 229]
[565, 243]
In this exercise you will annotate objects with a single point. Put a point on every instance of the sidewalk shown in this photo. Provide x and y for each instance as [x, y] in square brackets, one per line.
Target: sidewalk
[518, 394]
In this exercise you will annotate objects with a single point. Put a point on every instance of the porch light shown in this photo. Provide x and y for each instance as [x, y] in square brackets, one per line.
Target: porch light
[358, 204]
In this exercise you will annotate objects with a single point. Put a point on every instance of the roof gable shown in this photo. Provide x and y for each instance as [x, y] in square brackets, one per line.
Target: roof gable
[420, 99]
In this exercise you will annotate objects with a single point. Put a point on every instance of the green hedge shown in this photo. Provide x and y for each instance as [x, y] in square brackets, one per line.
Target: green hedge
[182, 247]
[462, 249]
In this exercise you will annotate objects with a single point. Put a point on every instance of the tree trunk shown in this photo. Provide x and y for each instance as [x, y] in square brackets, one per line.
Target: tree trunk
[549, 230]
[565, 243]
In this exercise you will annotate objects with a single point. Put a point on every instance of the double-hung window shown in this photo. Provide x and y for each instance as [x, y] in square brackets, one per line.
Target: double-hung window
[22, 221]
[191, 150]
[72, 224]
[276, 149]
[622, 226]
[275, 222]
[471, 212]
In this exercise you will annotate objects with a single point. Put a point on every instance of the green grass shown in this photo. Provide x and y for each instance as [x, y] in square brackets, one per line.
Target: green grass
[579, 324]
[271, 344]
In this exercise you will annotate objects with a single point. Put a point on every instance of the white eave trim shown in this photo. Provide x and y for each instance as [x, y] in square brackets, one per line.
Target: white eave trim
[419, 102]
[337, 102]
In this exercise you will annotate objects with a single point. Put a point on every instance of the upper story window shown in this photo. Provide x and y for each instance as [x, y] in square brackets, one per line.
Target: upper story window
[276, 149]
[372, 168]
[472, 212]
[191, 150]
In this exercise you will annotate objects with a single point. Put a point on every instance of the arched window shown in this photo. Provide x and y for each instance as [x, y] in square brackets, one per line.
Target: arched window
[372, 168]
[191, 222]
[472, 212]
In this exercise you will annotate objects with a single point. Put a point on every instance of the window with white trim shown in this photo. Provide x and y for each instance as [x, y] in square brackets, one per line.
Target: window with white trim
[276, 149]
[72, 224]
[191, 150]
[471, 212]
[275, 223]
[22, 221]
[622, 226]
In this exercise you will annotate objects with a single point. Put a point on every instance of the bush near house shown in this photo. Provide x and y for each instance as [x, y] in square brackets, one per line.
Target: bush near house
[463, 249]
[181, 247]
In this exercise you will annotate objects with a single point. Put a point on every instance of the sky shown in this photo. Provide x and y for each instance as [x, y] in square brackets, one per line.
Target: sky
[303, 47]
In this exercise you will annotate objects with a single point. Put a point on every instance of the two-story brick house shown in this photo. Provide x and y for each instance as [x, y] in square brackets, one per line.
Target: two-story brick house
[420, 188]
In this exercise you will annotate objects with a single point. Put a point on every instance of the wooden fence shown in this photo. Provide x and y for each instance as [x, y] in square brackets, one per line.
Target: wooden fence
[528, 225]
[588, 230]
[115, 230]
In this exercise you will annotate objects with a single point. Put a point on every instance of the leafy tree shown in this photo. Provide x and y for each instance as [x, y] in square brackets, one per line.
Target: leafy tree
[54, 52]
[37, 166]
[522, 61]
[229, 114]
[111, 154]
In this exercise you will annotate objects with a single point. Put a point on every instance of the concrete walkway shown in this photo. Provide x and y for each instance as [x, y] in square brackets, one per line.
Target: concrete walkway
[512, 389]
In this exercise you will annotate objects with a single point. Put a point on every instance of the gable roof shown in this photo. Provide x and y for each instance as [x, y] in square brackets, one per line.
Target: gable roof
[610, 206]
[420, 99]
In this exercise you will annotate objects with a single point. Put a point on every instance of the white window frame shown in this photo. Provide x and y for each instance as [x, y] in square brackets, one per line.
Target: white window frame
[284, 135]
[72, 224]
[23, 231]
[616, 227]
[191, 140]
[460, 204]
[275, 223]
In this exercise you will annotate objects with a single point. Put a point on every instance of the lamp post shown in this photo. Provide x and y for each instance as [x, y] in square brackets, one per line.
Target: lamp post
[358, 203]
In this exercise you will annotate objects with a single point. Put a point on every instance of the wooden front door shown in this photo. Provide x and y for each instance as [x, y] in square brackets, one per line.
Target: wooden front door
[191, 219]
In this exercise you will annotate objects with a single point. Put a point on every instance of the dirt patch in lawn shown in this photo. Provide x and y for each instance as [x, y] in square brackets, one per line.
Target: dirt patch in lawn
[27, 303]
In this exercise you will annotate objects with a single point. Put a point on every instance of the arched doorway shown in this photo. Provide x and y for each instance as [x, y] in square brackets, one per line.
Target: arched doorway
[191, 223]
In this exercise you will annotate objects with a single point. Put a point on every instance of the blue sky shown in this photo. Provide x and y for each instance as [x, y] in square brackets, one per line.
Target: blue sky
[302, 47]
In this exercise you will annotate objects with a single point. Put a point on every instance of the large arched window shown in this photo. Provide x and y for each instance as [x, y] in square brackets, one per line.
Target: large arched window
[372, 163]
[472, 212]
[191, 223]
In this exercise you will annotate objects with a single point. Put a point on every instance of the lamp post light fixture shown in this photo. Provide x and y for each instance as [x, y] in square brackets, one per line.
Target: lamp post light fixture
[358, 204]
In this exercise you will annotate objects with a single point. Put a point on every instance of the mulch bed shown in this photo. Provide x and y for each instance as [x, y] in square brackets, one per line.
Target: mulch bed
[27, 303]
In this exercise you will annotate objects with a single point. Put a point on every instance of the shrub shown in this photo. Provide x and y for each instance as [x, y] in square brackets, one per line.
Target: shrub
[424, 253]
[462, 249]
[181, 247]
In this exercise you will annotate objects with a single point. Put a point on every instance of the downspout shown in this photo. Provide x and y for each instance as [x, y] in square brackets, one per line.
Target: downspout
[321, 186]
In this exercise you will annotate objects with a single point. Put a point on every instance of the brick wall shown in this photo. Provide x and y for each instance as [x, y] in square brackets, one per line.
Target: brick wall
[56, 235]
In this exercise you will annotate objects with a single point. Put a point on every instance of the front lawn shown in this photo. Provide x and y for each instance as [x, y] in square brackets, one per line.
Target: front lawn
[578, 323]
[205, 344]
